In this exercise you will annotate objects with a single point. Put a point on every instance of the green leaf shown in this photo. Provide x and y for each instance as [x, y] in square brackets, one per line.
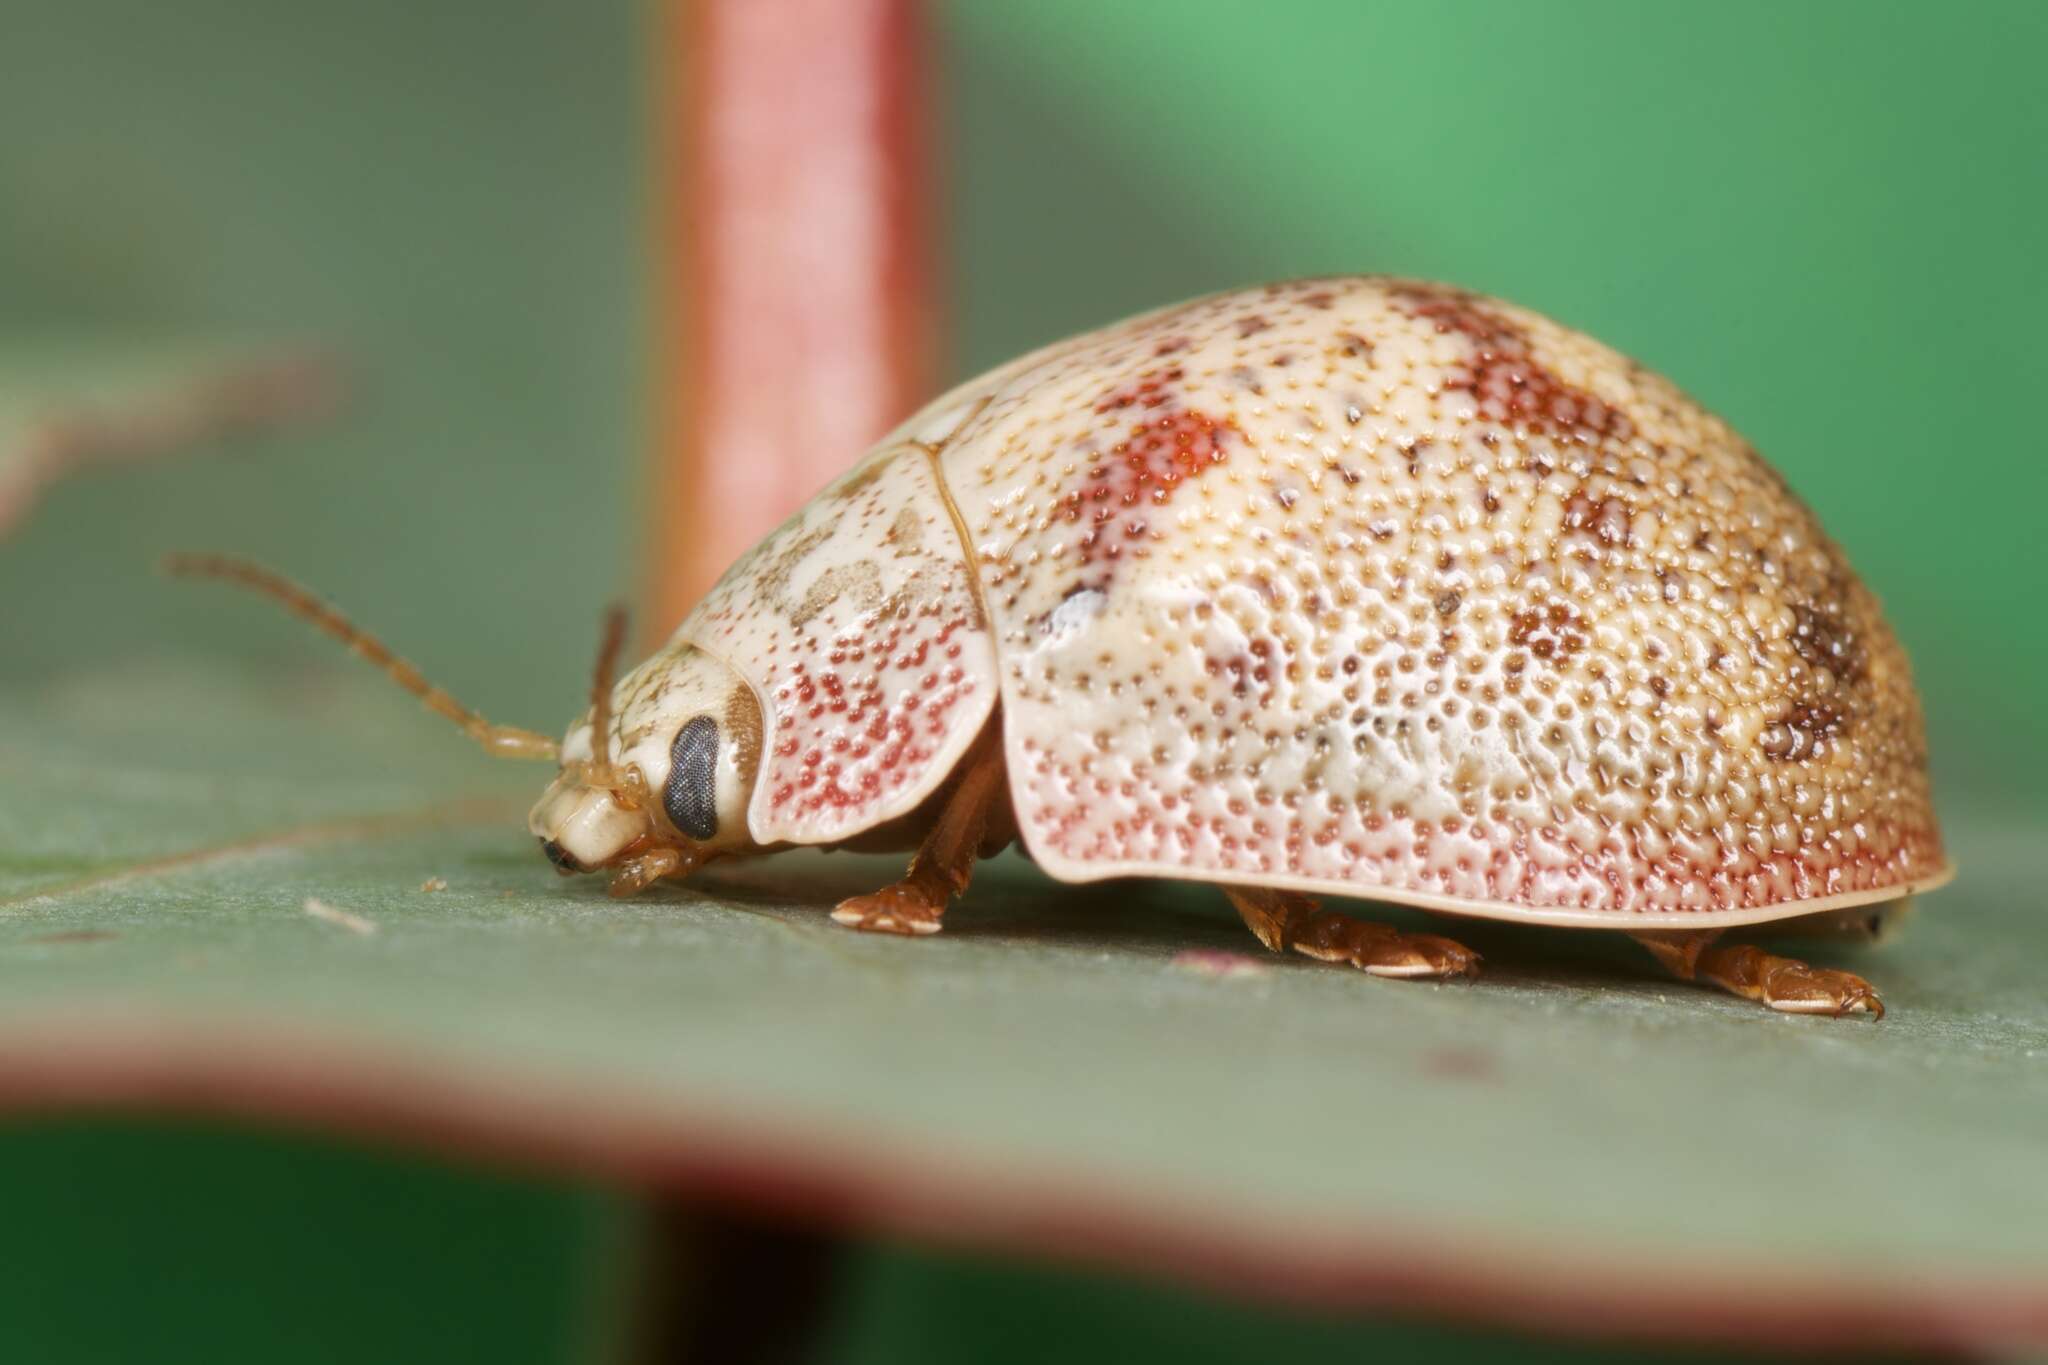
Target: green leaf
[68, 404]
[1571, 1139]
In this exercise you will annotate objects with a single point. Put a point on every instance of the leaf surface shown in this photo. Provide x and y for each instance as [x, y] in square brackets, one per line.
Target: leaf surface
[1115, 1073]
[70, 404]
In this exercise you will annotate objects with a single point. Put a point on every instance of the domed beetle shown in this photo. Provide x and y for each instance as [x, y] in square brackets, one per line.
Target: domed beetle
[1357, 586]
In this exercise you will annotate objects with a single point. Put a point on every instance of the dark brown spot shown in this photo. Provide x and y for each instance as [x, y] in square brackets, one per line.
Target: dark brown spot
[1824, 639]
[1552, 632]
[1503, 377]
[1805, 730]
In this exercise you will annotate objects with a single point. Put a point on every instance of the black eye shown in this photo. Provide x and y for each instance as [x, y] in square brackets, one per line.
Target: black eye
[691, 795]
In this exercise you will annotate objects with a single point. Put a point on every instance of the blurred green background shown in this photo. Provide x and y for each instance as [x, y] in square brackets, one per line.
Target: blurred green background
[1822, 219]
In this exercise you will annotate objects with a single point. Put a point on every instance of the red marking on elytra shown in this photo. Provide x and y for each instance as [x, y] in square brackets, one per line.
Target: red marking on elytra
[1508, 384]
[850, 741]
[1149, 392]
[1154, 459]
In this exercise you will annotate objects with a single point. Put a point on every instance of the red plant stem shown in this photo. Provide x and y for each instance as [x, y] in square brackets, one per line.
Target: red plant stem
[796, 274]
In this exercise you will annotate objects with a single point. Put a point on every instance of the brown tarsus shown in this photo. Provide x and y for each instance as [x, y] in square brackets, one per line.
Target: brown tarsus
[502, 741]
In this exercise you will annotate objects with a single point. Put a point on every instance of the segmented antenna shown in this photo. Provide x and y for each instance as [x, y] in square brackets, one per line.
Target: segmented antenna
[502, 741]
[608, 647]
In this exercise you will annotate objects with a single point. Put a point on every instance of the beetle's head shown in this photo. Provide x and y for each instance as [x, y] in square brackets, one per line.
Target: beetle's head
[654, 777]
[666, 791]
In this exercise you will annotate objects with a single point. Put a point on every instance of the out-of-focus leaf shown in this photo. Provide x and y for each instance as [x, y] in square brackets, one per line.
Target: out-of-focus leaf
[70, 405]
[1570, 1140]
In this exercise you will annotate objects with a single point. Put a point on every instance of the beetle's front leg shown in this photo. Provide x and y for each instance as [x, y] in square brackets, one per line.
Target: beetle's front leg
[638, 873]
[974, 822]
[1783, 983]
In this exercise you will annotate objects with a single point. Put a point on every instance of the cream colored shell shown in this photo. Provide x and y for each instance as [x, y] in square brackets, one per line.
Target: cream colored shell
[1360, 586]
[857, 625]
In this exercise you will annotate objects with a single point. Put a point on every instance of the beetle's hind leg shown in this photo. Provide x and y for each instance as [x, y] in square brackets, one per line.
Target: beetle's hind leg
[1288, 919]
[1783, 983]
[974, 821]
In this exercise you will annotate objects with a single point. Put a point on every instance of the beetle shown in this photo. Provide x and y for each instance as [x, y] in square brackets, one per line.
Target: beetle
[1356, 586]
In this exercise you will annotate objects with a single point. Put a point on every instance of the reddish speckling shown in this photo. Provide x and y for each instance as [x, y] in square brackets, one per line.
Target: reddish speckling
[1151, 391]
[1246, 672]
[845, 743]
[867, 698]
[1537, 868]
[1597, 683]
[1504, 378]
[1252, 324]
[1142, 470]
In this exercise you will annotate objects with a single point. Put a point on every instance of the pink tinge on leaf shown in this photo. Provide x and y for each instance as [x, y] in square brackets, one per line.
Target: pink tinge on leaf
[1214, 962]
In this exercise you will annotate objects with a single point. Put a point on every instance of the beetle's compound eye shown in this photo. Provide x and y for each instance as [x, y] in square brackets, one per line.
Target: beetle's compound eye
[691, 794]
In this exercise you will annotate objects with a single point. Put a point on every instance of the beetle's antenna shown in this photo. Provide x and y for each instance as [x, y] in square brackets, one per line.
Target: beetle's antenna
[608, 647]
[503, 741]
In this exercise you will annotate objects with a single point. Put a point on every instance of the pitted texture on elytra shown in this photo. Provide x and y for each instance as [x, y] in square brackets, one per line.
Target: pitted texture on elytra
[857, 625]
[1373, 585]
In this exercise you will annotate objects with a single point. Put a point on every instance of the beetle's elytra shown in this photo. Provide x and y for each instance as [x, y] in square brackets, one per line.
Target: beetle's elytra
[1358, 586]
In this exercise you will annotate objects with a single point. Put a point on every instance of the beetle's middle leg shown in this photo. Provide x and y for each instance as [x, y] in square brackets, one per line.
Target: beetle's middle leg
[974, 822]
[1288, 919]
